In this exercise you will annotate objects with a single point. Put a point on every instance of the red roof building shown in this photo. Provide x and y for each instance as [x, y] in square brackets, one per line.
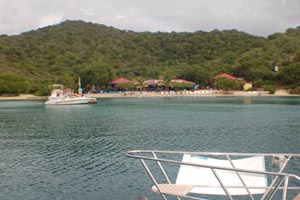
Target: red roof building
[225, 76]
[119, 81]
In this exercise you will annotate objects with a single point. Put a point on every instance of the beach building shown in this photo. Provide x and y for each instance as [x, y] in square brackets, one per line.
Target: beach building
[120, 84]
[246, 86]
[182, 84]
[228, 76]
[153, 84]
[174, 84]
[182, 81]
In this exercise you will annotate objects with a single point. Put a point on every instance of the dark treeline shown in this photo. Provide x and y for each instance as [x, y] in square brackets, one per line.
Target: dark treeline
[99, 54]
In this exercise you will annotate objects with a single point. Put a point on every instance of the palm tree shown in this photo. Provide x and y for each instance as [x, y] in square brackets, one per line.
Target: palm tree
[138, 82]
[167, 76]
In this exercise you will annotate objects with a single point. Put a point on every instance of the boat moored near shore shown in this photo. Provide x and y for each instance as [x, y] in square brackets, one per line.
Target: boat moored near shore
[59, 96]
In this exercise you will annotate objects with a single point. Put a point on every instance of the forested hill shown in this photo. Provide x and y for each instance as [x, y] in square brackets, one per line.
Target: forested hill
[97, 53]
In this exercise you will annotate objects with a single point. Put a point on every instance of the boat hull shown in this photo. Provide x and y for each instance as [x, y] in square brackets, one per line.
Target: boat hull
[72, 101]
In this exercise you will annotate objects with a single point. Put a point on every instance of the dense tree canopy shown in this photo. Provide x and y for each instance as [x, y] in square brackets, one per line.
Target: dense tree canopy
[99, 54]
[12, 84]
[228, 84]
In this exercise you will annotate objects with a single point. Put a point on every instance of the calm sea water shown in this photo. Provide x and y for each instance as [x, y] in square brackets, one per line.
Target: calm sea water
[77, 152]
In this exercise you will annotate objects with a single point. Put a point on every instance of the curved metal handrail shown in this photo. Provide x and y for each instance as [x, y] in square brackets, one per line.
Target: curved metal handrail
[280, 176]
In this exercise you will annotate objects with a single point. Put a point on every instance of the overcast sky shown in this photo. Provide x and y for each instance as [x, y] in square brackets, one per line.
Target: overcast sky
[257, 17]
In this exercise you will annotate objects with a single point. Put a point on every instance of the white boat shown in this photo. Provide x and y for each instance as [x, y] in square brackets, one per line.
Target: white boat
[59, 96]
[211, 175]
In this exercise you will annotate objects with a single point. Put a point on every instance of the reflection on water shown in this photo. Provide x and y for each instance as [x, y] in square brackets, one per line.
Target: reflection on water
[77, 152]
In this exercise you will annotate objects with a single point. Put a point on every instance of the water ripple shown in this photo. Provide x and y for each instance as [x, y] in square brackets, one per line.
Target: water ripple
[78, 152]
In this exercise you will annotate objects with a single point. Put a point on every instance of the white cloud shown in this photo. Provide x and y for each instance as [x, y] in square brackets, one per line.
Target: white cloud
[50, 19]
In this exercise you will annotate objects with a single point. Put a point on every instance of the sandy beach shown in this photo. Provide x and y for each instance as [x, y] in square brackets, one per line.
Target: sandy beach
[22, 97]
[162, 94]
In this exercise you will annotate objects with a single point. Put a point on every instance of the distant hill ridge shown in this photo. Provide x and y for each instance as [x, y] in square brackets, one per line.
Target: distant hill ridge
[71, 48]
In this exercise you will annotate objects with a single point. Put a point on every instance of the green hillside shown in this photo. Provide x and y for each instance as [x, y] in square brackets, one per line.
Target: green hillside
[98, 54]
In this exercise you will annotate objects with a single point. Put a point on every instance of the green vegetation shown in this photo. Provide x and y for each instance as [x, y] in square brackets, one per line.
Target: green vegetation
[12, 84]
[270, 88]
[99, 54]
[228, 84]
[124, 86]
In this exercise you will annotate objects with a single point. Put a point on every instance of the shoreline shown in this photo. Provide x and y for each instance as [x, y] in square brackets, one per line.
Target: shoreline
[204, 93]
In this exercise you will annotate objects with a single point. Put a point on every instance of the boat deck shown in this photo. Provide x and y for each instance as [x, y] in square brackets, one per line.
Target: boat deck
[209, 175]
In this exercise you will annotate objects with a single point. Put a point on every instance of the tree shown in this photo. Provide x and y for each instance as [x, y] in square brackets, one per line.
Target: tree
[198, 74]
[228, 84]
[98, 74]
[96, 52]
[262, 75]
[67, 80]
[13, 85]
[138, 82]
[167, 76]
[181, 85]
[290, 75]
[229, 57]
[124, 86]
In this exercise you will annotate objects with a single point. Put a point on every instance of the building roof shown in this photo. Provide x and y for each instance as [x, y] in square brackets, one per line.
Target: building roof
[182, 81]
[119, 81]
[152, 82]
[225, 76]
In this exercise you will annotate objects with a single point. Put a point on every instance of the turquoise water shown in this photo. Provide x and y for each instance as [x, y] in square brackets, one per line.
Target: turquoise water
[77, 152]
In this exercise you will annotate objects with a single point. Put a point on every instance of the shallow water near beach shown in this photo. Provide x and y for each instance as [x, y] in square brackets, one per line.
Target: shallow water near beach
[78, 152]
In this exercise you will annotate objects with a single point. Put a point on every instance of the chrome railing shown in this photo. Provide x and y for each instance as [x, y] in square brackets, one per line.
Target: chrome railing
[280, 170]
